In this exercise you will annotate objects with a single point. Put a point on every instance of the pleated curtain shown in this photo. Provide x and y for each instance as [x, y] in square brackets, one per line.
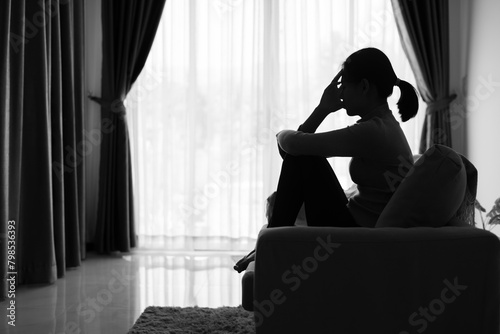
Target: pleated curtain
[129, 28]
[43, 149]
[424, 30]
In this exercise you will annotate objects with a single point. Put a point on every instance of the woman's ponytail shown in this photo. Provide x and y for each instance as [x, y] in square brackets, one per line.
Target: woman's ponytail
[408, 101]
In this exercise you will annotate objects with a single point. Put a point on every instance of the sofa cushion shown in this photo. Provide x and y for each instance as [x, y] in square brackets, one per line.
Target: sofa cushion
[431, 192]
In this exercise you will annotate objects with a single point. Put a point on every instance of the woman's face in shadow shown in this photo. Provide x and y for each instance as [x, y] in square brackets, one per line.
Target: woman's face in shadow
[352, 97]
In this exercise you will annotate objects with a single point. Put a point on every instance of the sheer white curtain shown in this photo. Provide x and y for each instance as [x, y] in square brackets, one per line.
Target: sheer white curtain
[222, 79]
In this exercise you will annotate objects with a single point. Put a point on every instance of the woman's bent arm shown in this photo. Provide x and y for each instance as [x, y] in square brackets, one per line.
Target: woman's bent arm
[314, 120]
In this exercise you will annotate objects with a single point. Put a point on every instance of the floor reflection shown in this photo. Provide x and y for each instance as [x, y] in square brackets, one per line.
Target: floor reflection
[107, 294]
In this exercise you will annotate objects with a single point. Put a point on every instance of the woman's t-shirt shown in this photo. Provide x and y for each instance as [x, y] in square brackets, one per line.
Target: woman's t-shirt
[381, 158]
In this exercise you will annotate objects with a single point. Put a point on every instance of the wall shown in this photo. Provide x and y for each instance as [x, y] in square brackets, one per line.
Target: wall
[482, 97]
[93, 47]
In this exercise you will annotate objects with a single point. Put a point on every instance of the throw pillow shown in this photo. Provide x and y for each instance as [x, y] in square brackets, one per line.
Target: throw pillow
[431, 192]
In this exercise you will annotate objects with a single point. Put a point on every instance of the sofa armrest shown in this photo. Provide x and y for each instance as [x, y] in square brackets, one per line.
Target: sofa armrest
[247, 283]
[386, 280]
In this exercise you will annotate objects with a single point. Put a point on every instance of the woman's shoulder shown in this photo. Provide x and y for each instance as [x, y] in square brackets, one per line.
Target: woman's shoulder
[382, 133]
[382, 123]
[374, 125]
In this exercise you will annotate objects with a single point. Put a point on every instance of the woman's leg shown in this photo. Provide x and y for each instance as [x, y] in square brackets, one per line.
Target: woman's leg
[312, 181]
[308, 180]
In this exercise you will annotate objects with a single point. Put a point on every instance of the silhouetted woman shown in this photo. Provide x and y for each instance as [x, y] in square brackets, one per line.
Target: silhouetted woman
[375, 142]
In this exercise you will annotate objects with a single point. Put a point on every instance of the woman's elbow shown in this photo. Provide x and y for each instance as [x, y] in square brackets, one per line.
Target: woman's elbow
[290, 142]
[290, 146]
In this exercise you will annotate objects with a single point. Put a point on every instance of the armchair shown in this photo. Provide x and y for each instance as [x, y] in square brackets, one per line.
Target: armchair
[430, 278]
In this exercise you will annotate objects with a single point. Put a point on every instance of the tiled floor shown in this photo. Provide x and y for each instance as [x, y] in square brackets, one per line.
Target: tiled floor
[107, 294]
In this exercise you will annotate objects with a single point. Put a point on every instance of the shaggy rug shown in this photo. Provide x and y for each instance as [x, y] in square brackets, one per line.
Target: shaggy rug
[176, 320]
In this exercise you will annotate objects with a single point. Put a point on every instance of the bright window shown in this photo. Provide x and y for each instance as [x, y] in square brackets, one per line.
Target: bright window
[222, 79]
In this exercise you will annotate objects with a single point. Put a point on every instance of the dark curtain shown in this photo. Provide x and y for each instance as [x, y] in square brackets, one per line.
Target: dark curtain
[129, 28]
[424, 31]
[43, 148]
